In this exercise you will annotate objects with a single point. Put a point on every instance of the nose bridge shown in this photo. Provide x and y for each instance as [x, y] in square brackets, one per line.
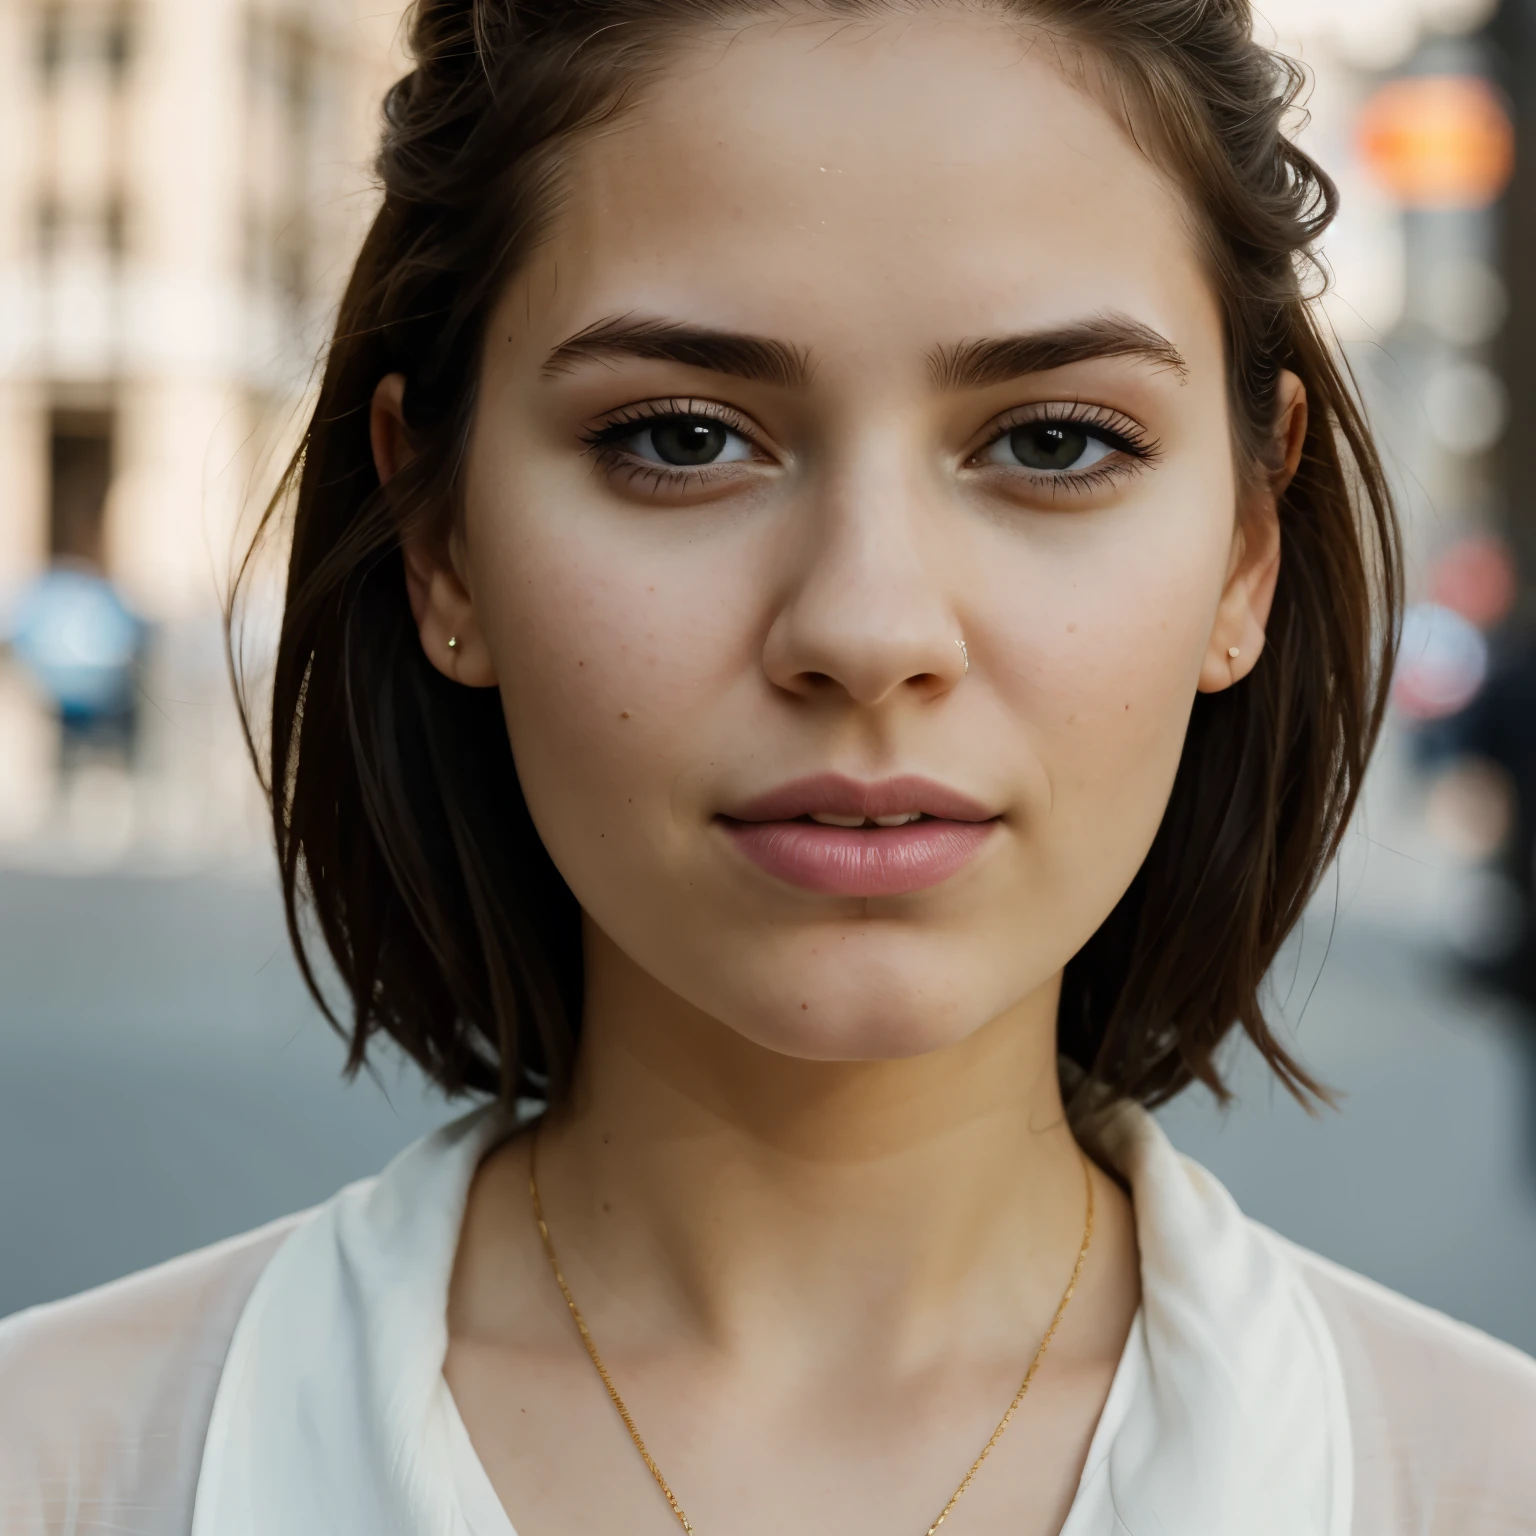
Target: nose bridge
[868, 539]
[868, 611]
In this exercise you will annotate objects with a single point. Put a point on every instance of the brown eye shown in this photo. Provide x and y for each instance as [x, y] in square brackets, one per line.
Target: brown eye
[687, 442]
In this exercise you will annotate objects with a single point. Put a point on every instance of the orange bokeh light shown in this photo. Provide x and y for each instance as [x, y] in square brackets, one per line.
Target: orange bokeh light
[1439, 141]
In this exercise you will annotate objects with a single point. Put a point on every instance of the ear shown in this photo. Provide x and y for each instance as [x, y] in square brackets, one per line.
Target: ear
[434, 560]
[1254, 566]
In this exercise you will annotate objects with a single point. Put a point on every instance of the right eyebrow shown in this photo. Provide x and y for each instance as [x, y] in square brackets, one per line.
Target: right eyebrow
[979, 364]
[758, 358]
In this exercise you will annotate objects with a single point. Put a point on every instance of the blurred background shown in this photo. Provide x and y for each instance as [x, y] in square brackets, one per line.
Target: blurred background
[182, 185]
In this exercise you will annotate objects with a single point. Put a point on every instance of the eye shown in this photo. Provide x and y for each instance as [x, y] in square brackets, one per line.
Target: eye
[684, 441]
[1050, 447]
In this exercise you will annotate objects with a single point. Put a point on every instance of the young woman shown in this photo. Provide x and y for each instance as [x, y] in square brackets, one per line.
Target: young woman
[838, 605]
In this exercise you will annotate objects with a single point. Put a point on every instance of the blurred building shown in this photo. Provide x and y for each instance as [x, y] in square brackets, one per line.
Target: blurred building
[178, 191]
[182, 183]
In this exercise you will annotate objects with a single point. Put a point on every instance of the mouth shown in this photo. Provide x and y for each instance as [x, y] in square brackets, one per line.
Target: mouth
[838, 836]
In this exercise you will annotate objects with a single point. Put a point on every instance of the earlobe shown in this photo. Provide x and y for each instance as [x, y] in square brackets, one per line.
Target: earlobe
[444, 611]
[441, 603]
[1238, 635]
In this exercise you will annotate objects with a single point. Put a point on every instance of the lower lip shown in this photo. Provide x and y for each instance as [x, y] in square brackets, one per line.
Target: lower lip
[857, 861]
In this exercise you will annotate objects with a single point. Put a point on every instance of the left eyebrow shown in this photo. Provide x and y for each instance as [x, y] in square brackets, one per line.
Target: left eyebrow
[758, 358]
[978, 364]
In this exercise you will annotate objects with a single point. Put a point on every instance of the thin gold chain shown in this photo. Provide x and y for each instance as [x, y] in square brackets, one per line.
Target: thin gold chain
[629, 1423]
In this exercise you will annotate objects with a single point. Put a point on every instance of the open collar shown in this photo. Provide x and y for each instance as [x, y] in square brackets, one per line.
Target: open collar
[1228, 1413]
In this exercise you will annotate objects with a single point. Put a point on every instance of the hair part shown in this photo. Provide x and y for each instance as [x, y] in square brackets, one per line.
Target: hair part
[398, 820]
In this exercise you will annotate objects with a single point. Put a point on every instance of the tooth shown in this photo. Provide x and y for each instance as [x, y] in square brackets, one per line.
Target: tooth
[827, 819]
[897, 821]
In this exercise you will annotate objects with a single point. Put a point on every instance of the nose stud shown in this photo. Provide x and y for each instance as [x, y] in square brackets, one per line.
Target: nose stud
[965, 656]
[453, 642]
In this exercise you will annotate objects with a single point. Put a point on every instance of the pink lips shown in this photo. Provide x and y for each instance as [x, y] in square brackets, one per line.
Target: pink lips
[860, 861]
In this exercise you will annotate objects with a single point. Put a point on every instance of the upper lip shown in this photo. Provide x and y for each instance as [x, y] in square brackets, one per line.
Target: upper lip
[836, 794]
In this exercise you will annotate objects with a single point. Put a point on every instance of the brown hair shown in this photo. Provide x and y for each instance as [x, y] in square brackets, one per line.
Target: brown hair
[394, 795]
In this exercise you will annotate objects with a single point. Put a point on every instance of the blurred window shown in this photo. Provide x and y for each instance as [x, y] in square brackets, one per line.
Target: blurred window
[93, 33]
[80, 475]
[50, 51]
[283, 68]
[49, 218]
[117, 41]
[114, 226]
[83, 45]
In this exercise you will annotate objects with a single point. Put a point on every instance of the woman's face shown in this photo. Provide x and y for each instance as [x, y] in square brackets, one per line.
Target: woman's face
[856, 446]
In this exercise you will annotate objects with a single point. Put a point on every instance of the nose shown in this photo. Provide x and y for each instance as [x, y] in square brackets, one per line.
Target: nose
[867, 617]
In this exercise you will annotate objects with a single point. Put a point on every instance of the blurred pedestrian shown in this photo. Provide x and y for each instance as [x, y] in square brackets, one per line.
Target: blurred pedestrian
[83, 646]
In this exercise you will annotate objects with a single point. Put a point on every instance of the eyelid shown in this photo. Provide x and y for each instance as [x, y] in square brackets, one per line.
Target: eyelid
[608, 429]
[1120, 431]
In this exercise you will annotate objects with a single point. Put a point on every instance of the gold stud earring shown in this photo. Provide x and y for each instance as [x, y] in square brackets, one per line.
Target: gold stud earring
[1234, 653]
[453, 642]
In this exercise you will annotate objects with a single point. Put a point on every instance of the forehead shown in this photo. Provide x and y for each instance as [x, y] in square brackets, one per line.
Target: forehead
[825, 181]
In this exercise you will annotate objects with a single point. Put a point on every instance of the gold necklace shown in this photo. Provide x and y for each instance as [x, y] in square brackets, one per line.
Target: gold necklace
[629, 1423]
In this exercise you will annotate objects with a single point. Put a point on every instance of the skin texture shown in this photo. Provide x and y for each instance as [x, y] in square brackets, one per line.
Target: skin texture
[815, 1192]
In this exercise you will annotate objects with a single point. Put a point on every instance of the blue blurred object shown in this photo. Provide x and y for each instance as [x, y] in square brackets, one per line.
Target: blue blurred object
[1442, 662]
[77, 637]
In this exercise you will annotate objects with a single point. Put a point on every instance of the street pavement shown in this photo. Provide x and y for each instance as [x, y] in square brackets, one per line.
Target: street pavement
[165, 1082]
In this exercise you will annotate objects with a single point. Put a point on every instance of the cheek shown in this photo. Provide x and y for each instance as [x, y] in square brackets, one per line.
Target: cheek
[579, 665]
[606, 650]
[1117, 663]
[1099, 668]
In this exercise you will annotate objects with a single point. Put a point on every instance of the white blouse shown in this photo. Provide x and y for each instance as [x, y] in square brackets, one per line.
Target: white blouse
[289, 1383]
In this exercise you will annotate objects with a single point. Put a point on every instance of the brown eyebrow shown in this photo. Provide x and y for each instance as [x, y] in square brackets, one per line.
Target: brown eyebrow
[966, 365]
[758, 358]
[977, 364]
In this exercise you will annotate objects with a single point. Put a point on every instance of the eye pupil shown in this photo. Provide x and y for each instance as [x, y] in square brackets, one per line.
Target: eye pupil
[1048, 445]
[688, 440]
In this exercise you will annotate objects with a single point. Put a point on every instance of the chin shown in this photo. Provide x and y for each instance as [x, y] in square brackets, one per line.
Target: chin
[860, 1014]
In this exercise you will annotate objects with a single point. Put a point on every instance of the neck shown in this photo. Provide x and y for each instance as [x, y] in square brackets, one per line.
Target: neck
[728, 1186]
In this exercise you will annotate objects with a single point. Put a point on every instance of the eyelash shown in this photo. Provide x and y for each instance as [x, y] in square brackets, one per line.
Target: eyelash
[603, 442]
[1110, 427]
[1117, 431]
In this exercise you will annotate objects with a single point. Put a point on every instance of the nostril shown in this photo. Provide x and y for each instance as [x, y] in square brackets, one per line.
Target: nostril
[866, 686]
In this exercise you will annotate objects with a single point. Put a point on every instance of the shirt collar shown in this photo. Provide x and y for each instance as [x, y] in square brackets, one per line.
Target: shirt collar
[1227, 1414]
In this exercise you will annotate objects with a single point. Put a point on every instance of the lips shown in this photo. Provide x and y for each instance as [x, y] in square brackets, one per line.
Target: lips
[776, 832]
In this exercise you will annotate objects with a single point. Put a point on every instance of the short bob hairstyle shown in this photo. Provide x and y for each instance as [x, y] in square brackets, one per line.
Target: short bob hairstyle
[402, 836]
